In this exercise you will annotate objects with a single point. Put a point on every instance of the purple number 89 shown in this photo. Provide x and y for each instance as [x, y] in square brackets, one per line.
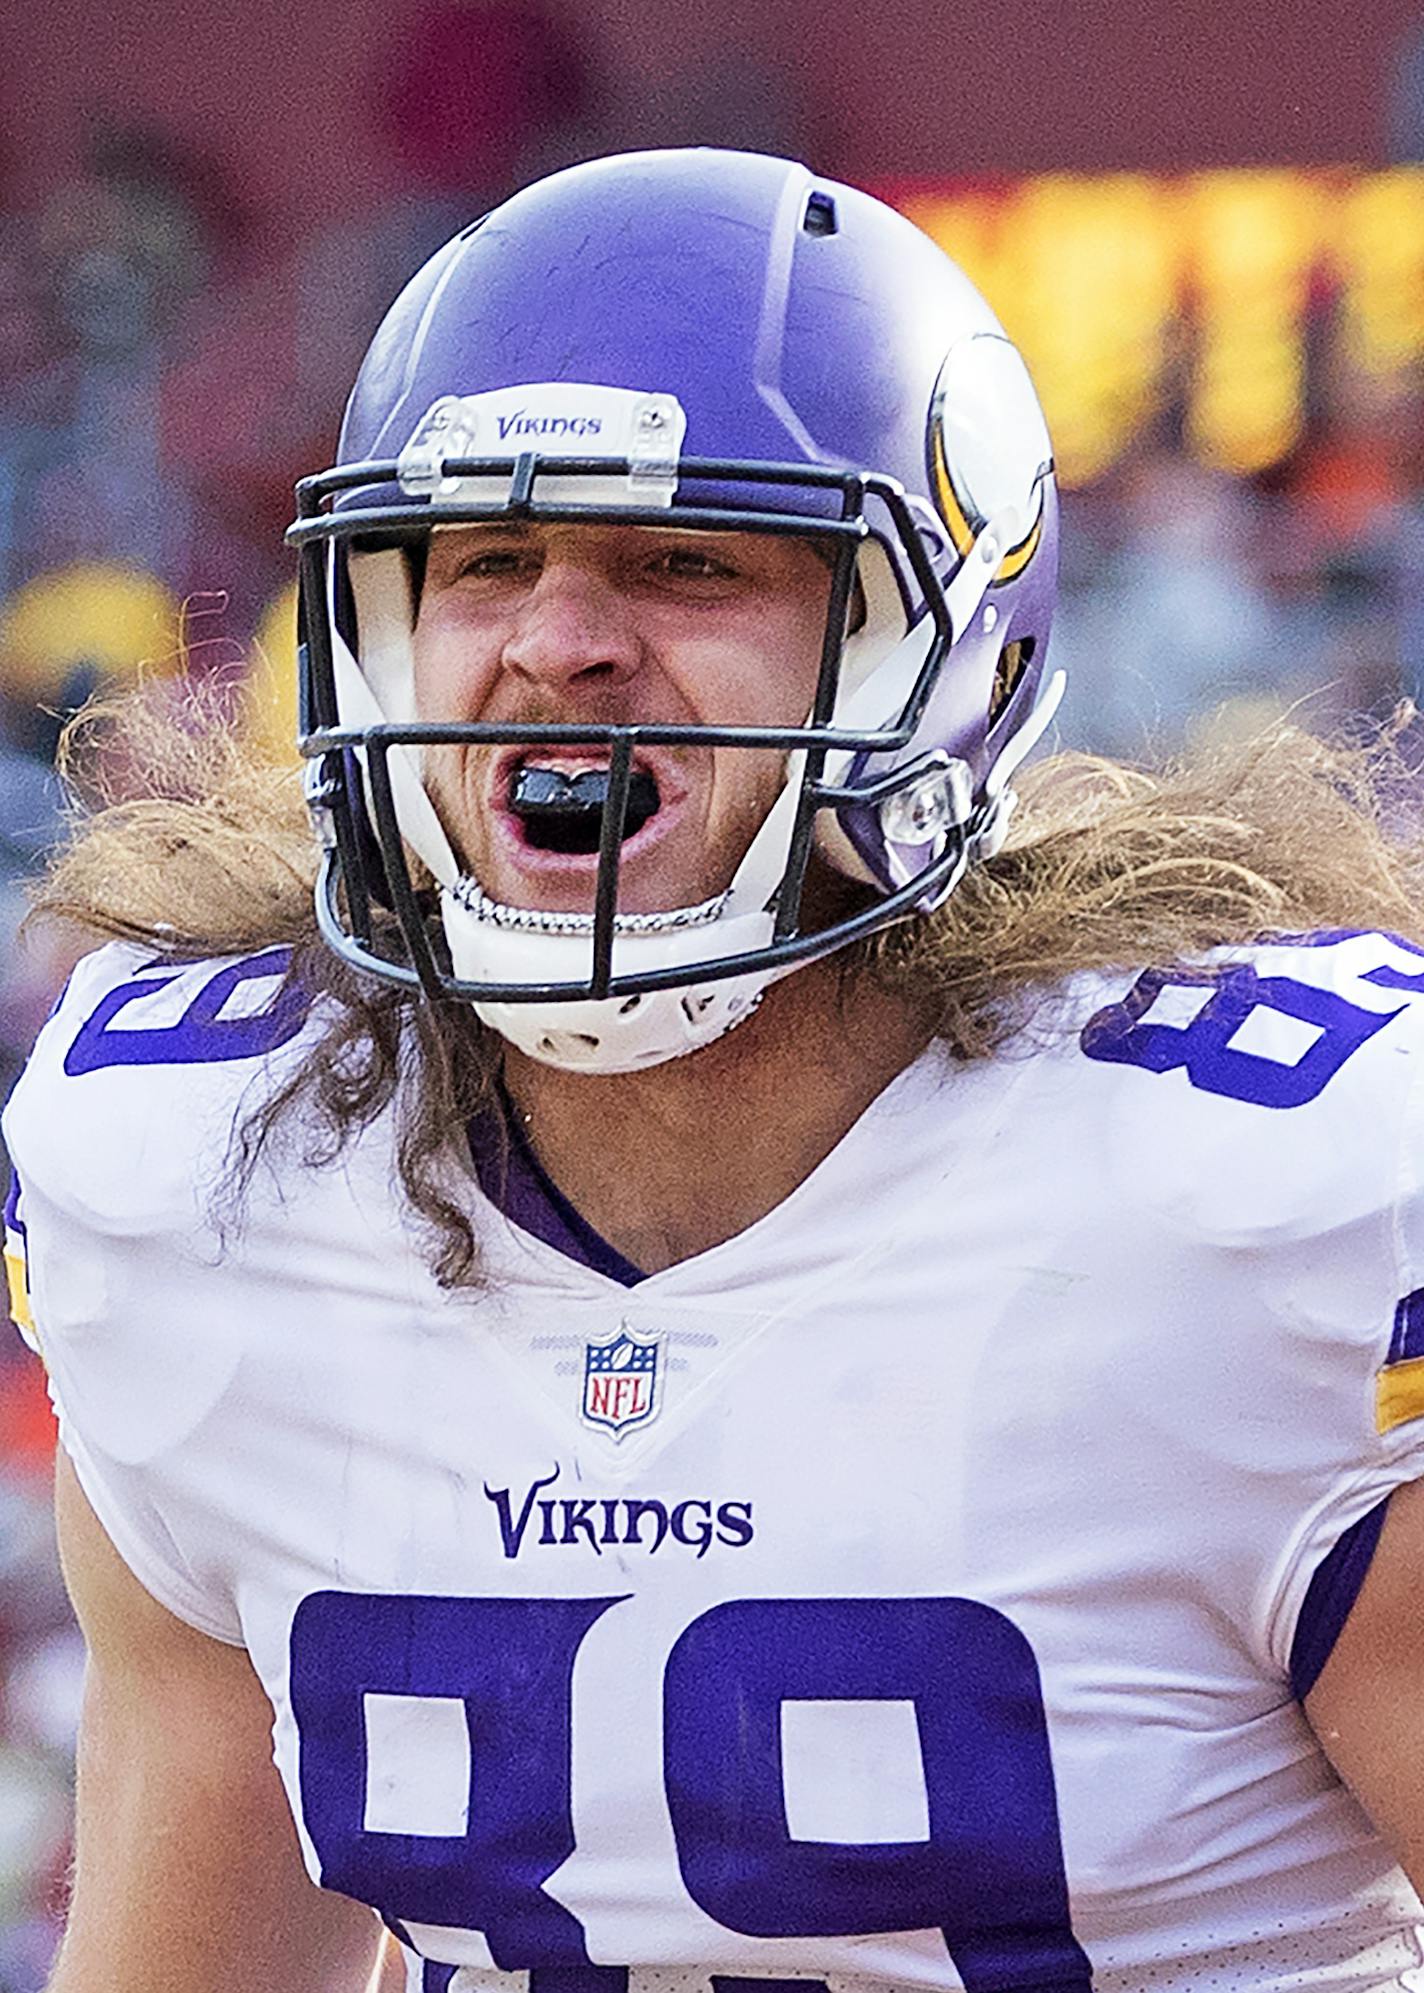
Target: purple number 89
[989, 1874]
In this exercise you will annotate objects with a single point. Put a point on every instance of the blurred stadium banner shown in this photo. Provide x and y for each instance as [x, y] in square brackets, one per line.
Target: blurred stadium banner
[1217, 296]
[102, 621]
[1235, 314]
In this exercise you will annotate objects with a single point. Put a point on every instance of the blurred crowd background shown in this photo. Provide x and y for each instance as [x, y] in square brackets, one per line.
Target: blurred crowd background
[1209, 241]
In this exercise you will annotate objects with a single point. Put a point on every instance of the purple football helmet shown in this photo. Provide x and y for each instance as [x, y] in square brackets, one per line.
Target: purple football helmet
[701, 340]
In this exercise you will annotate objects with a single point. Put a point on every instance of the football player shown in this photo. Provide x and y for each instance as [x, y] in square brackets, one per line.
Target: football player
[727, 1371]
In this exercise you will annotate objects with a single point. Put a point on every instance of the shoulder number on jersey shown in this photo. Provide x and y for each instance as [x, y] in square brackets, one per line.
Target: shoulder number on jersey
[220, 1021]
[1213, 1046]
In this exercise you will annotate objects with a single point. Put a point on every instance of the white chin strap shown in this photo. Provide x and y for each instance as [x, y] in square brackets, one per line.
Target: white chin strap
[492, 943]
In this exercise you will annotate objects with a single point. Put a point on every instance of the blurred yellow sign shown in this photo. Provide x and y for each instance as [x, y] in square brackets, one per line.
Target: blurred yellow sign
[1129, 292]
[98, 618]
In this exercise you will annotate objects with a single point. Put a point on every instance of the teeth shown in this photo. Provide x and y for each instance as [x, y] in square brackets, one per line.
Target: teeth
[559, 764]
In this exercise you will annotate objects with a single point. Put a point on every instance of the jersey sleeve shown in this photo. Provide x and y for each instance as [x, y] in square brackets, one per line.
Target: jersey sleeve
[118, 1133]
[1275, 1125]
[1381, 1440]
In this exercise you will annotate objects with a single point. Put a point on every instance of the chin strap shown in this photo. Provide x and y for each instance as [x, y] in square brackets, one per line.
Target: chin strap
[493, 943]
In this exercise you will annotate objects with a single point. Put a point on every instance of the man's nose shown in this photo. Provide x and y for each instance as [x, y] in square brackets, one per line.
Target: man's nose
[574, 627]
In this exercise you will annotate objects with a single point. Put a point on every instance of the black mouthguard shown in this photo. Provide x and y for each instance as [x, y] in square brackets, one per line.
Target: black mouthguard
[565, 812]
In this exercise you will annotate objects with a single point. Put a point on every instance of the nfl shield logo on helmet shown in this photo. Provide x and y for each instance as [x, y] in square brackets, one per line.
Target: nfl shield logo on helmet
[621, 1380]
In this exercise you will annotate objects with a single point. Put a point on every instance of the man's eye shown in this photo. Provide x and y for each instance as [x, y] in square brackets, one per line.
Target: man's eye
[691, 564]
[492, 565]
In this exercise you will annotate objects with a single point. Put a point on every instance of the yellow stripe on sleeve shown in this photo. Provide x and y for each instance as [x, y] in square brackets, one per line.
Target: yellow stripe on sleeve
[17, 1276]
[1399, 1393]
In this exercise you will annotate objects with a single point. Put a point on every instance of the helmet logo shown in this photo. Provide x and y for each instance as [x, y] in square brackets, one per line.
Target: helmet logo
[988, 448]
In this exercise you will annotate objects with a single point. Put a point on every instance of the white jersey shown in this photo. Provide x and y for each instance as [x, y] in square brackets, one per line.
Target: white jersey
[915, 1590]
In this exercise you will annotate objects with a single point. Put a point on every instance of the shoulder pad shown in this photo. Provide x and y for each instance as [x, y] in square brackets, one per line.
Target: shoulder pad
[1265, 1090]
[122, 1116]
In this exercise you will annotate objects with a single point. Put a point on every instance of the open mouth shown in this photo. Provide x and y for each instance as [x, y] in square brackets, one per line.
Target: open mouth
[560, 808]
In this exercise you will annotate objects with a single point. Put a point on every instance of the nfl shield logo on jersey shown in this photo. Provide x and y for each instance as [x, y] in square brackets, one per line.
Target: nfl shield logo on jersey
[620, 1380]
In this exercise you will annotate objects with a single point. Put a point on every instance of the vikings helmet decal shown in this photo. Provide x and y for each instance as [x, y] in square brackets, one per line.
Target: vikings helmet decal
[983, 392]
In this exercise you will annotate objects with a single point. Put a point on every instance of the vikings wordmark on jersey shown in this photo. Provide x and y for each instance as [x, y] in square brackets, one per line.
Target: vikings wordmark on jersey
[830, 1607]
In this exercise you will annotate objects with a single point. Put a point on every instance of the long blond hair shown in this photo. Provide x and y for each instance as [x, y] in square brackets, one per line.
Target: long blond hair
[1109, 867]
